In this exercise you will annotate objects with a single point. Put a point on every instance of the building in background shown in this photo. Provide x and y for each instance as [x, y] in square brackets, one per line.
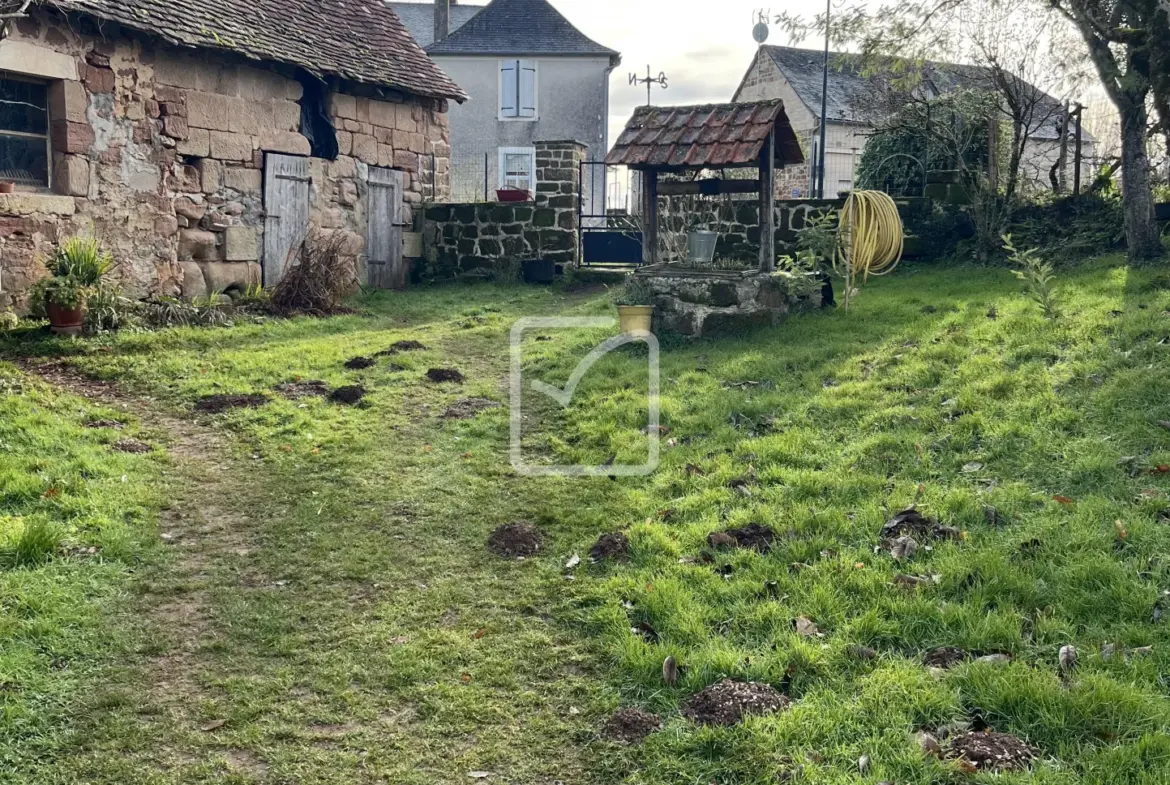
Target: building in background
[795, 76]
[531, 76]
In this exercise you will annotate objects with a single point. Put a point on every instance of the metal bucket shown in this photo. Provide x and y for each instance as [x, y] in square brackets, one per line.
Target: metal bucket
[701, 246]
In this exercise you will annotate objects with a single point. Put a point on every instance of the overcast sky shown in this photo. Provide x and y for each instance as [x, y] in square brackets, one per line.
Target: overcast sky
[704, 46]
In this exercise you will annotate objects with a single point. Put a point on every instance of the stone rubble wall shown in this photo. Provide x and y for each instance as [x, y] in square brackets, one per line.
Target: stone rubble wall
[159, 153]
[693, 302]
[464, 237]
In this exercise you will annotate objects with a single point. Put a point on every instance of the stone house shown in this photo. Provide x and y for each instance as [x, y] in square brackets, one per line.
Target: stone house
[531, 76]
[795, 76]
[200, 141]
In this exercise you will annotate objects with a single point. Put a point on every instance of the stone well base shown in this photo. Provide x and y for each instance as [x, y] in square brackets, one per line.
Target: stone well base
[691, 301]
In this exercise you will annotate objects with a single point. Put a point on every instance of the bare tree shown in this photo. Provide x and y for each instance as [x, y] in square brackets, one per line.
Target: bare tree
[1127, 42]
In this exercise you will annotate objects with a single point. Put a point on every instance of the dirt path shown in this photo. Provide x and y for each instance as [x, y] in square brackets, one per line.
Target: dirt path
[207, 545]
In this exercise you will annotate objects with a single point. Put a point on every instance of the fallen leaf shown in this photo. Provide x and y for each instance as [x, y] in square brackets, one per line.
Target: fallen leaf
[213, 725]
[1063, 499]
[1119, 527]
[929, 744]
[670, 671]
[806, 627]
[695, 471]
[974, 466]
[995, 659]
[479, 775]
[863, 764]
[482, 631]
[466, 455]
[466, 678]
[573, 561]
[1067, 658]
[904, 548]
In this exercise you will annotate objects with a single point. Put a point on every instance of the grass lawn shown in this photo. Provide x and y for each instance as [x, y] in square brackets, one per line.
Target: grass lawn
[323, 608]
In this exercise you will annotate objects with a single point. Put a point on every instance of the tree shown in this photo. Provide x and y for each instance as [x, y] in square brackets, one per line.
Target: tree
[1126, 41]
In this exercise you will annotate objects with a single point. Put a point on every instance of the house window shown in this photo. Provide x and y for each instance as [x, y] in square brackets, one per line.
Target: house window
[518, 168]
[517, 89]
[24, 132]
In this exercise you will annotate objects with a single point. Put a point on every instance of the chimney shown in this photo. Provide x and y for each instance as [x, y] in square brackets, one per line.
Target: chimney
[442, 19]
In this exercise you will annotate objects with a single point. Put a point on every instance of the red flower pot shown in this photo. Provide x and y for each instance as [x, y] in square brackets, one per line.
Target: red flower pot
[512, 195]
[65, 321]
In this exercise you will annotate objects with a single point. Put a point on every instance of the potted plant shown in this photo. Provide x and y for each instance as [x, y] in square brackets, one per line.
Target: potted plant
[634, 304]
[75, 270]
[7, 187]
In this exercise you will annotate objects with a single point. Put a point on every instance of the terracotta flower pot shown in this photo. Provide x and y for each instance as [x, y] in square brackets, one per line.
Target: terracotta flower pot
[65, 321]
[7, 188]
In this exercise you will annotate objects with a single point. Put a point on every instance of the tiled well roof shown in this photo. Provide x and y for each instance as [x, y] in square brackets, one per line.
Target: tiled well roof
[519, 27]
[419, 18]
[710, 136]
[357, 40]
[804, 69]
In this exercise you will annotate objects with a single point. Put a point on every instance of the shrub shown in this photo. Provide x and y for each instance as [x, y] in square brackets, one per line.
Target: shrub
[8, 321]
[1072, 226]
[320, 277]
[107, 310]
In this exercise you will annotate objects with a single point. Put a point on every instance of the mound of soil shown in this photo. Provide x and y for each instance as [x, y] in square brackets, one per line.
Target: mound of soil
[295, 391]
[360, 363]
[350, 394]
[989, 751]
[753, 536]
[630, 726]
[439, 375]
[728, 702]
[132, 446]
[516, 540]
[944, 657]
[615, 545]
[469, 407]
[214, 404]
[914, 524]
[406, 346]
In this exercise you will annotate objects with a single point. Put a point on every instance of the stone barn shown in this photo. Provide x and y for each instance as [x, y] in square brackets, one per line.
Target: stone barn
[199, 141]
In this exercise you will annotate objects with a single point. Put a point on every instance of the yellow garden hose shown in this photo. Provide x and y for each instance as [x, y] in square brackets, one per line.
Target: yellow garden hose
[870, 238]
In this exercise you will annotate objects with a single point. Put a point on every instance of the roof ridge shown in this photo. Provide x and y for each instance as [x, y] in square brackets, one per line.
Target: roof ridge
[509, 27]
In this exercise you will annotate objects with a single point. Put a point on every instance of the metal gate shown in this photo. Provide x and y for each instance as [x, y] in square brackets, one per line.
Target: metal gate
[609, 230]
[387, 268]
[286, 208]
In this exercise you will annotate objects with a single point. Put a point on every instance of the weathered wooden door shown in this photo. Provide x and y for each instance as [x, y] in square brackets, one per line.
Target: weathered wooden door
[286, 206]
[387, 268]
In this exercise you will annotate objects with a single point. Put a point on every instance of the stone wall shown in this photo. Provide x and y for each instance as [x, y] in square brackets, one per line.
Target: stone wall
[464, 237]
[739, 228]
[159, 152]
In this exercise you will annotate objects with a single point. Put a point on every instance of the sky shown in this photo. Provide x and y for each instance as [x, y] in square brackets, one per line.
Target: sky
[704, 46]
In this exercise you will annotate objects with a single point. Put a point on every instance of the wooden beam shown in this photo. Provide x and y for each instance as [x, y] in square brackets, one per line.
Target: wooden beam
[768, 204]
[649, 217]
[712, 187]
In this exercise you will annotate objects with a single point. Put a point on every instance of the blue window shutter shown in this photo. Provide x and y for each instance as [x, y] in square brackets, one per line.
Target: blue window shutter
[509, 92]
[527, 88]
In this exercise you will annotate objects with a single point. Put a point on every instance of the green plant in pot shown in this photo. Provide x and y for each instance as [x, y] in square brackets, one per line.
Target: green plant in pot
[75, 270]
[635, 306]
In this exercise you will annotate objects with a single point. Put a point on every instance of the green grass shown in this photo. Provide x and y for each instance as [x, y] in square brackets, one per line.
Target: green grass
[364, 635]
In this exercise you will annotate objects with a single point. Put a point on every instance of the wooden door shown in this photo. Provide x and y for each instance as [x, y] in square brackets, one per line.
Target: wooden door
[386, 265]
[286, 208]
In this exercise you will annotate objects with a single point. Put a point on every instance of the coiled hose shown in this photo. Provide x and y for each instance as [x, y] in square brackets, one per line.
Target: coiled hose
[870, 238]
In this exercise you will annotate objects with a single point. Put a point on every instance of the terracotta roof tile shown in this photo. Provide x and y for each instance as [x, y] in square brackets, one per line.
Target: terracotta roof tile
[702, 136]
[357, 40]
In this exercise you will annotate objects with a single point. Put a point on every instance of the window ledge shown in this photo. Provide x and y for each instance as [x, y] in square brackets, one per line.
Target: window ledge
[33, 203]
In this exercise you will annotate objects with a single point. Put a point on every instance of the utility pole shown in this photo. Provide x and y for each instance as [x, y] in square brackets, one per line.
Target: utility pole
[824, 105]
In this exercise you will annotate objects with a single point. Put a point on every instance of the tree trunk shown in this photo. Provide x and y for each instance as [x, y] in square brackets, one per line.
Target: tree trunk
[1141, 230]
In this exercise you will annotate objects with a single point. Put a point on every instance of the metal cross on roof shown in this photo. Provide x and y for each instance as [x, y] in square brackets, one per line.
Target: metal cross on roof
[649, 80]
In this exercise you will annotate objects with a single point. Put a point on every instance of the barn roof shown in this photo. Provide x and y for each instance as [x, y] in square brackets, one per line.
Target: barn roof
[708, 136]
[354, 40]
